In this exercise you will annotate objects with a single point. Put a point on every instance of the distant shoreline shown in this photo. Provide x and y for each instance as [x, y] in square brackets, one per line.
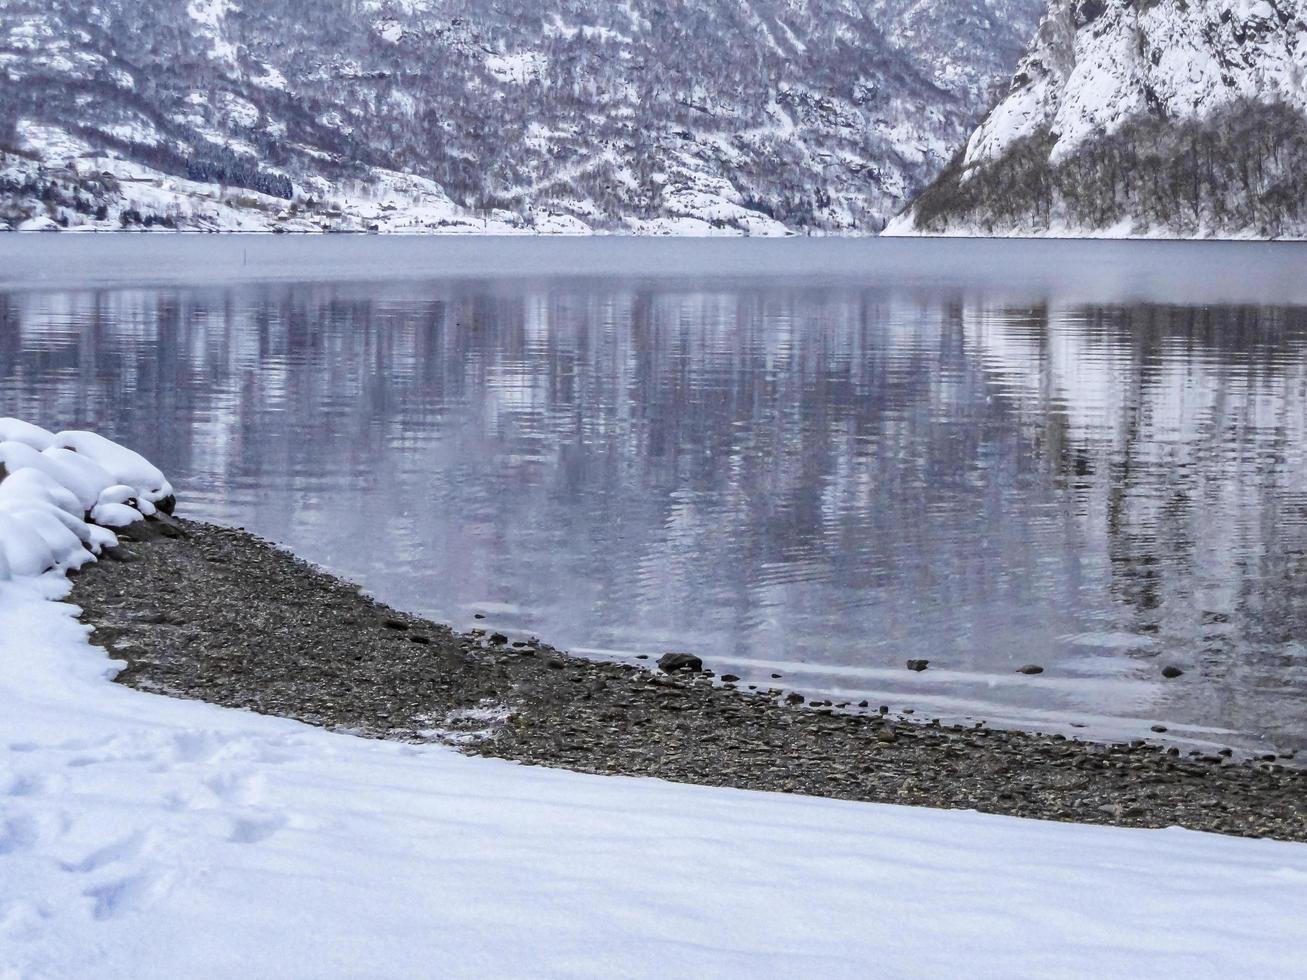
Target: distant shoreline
[199, 611]
[1026, 272]
[729, 236]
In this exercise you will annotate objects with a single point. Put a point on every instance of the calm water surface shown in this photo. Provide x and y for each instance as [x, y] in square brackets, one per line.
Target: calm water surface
[817, 459]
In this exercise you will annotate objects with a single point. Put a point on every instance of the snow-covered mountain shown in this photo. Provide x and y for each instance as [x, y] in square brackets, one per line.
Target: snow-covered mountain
[1149, 117]
[755, 116]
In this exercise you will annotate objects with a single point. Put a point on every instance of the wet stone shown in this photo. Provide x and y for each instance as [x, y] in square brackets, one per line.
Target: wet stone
[670, 662]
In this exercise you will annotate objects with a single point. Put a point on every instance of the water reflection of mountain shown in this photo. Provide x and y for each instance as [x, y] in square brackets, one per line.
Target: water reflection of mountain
[1182, 434]
[845, 477]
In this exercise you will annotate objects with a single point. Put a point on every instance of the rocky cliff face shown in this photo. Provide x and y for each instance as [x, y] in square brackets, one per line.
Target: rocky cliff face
[756, 116]
[1162, 117]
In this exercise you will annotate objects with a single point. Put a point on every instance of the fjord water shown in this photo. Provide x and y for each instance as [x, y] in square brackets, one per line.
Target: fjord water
[817, 459]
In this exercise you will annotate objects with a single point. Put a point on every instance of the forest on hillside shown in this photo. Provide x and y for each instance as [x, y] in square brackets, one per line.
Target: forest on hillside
[1242, 170]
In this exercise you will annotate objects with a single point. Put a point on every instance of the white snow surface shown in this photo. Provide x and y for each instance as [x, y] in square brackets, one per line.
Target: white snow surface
[142, 836]
[16, 430]
[124, 465]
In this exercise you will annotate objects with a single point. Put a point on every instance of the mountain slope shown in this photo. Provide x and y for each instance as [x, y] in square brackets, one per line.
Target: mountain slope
[740, 115]
[1158, 117]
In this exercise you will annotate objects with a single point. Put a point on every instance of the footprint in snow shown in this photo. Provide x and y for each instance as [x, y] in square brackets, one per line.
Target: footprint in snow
[123, 849]
[255, 830]
[126, 894]
[18, 833]
[197, 746]
[239, 788]
[21, 917]
[28, 784]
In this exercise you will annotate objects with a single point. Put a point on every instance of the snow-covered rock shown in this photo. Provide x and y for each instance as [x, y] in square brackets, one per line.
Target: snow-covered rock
[125, 466]
[29, 484]
[16, 430]
[80, 475]
[58, 501]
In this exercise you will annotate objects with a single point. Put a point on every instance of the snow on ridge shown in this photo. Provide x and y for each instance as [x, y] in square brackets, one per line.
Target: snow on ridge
[272, 78]
[1151, 82]
[519, 67]
[1092, 67]
[61, 492]
[211, 16]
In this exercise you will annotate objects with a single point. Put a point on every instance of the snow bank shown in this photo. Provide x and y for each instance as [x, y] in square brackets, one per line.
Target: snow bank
[142, 836]
[16, 430]
[60, 493]
[126, 466]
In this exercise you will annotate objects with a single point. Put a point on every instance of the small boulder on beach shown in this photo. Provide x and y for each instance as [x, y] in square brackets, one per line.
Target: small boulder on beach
[671, 662]
[1171, 671]
[918, 665]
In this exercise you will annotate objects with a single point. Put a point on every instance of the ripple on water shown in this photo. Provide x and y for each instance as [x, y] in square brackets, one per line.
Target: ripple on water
[819, 483]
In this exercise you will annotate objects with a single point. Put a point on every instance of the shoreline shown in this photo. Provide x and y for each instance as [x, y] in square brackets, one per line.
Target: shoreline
[209, 613]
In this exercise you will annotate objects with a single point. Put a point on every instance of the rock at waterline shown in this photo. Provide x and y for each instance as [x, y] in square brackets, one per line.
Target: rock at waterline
[729, 678]
[918, 665]
[670, 662]
[1030, 669]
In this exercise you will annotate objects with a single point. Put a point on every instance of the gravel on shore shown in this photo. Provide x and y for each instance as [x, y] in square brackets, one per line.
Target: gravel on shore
[199, 611]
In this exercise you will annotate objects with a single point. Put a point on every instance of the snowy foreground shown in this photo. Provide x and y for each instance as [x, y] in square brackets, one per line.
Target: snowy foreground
[142, 836]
